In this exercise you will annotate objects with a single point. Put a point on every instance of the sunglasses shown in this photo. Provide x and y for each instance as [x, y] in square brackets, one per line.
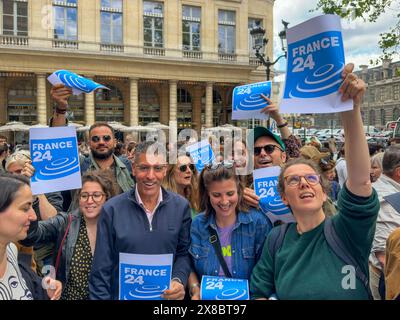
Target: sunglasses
[106, 138]
[294, 180]
[226, 164]
[184, 167]
[268, 148]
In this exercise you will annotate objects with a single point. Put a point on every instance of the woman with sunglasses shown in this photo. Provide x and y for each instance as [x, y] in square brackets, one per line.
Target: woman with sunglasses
[306, 263]
[240, 231]
[75, 234]
[182, 178]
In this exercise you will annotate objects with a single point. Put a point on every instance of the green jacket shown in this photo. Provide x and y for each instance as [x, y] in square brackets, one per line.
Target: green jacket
[122, 173]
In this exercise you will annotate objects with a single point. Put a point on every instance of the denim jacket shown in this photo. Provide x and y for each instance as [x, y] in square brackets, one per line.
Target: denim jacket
[248, 236]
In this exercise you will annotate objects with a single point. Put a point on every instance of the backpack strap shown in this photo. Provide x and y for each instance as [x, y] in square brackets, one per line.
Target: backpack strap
[337, 246]
[277, 235]
[62, 243]
[214, 240]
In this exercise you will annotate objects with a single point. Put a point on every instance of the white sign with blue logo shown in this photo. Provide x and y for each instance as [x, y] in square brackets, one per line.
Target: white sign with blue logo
[72, 80]
[144, 276]
[247, 101]
[54, 153]
[314, 67]
[201, 154]
[220, 288]
[266, 187]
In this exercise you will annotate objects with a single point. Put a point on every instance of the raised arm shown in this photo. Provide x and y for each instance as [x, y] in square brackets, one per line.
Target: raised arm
[356, 148]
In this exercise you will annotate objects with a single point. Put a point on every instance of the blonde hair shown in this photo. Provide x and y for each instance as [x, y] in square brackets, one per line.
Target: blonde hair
[20, 156]
[191, 193]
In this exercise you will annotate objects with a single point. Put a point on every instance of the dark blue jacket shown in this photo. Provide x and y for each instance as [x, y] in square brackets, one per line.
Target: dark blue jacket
[123, 227]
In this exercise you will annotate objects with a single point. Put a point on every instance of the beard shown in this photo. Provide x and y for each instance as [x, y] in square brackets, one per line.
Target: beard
[104, 155]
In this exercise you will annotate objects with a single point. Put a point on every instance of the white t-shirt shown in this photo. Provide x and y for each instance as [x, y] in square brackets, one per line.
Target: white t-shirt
[341, 169]
[12, 285]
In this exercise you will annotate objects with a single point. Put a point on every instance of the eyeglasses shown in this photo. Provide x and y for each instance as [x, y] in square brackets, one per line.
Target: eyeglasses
[184, 167]
[145, 169]
[226, 164]
[96, 196]
[106, 138]
[294, 180]
[268, 148]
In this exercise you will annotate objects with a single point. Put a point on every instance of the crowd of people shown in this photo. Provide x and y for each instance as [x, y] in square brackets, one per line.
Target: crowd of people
[213, 223]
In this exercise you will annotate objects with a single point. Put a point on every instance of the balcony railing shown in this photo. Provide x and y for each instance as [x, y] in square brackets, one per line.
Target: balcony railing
[65, 44]
[13, 40]
[226, 57]
[154, 51]
[192, 54]
[253, 61]
[112, 47]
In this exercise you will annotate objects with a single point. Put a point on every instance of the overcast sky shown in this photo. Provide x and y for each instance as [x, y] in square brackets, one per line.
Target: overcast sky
[360, 38]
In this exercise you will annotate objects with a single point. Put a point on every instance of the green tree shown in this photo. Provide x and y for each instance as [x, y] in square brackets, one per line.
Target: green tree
[368, 10]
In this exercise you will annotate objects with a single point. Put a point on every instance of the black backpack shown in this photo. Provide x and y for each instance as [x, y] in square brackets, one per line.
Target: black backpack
[278, 235]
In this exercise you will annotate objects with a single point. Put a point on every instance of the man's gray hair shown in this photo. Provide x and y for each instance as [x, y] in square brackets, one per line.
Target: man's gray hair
[391, 160]
[149, 148]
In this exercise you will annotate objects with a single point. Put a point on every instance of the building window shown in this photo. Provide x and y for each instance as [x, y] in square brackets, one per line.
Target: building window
[396, 92]
[149, 107]
[396, 114]
[111, 21]
[383, 117]
[252, 23]
[191, 18]
[109, 104]
[372, 117]
[153, 23]
[15, 17]
[226, 31]
[65, 20]
[372, 95]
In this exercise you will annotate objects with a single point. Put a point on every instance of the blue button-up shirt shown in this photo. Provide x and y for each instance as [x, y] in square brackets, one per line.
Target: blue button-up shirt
[248, 236]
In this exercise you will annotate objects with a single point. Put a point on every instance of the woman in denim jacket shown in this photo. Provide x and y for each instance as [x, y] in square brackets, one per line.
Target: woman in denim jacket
[241, 231]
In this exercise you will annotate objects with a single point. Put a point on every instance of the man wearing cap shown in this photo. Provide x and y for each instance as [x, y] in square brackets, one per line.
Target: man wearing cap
[270, 149]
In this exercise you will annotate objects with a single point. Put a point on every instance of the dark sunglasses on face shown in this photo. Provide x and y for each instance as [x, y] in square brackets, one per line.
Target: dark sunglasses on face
[106, 138]
[184, 167]
[294, 180]
[268, 148]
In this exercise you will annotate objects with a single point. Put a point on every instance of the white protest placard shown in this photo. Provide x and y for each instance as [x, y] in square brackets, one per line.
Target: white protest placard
[247, 101]
[314, 66]
[266, 187]
[144, 276]
[201, 154]
[72, 80]
[220, 288]
[54, 153]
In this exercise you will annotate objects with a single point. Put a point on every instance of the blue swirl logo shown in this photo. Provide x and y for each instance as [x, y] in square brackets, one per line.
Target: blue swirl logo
[252, 102]
[149, 292]
[58, 169]
[73, 80]
[274, 205]
[323, 81]
[231, 294]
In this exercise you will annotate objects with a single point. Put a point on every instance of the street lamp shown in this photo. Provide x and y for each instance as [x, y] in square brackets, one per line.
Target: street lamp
[257, 33]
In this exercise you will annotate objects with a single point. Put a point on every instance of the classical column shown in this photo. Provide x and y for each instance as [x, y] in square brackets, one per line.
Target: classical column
[209, 105]
[134, 102]
[173, 104]
[196, 109]
[3, 104]
[89, 108]
[41, 105]
[164, 103]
